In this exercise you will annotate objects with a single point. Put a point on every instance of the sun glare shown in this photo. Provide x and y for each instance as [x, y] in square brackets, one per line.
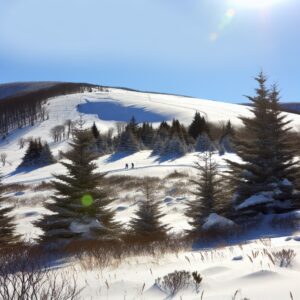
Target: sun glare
[255, 3]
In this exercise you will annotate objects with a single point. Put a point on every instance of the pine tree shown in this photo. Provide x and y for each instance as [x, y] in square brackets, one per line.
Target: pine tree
[38, 154]
[79, 206]
[31, 155]
[177, 130]
[95, 131]
[128, 142]
[158, 146]
[147, 225]
[45, 156]
[174, 147]
[147, 135]
[225, 141]
[198, 126]
[133, 127]
[268, 169]
[208, 192]
[7, 226]
[203, 143]
[164, 130]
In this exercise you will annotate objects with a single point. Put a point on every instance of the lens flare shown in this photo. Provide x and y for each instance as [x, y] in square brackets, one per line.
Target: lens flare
[226, 20]
[230, 13]
[87, 200]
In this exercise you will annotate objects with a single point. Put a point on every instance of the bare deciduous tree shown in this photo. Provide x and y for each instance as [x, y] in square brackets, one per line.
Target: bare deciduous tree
[58, 133]
[21, 143]
[3, 157]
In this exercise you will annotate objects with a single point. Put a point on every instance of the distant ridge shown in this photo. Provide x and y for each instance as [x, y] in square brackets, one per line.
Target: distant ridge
[14, 89]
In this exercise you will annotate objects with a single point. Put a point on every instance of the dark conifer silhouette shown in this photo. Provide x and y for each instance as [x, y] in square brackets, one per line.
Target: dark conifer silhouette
[7, 226]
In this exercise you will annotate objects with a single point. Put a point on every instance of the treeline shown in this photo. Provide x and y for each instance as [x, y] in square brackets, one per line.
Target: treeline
[168, 139]
[28, 108]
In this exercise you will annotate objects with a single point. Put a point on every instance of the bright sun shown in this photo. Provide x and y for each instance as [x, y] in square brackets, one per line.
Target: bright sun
[255, 3]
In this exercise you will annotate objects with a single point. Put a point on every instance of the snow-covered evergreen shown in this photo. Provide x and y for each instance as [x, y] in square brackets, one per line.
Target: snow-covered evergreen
[147, 224]
[268, 157]
[79, 205]
[208, 192]
[7, 225]
[203, 143]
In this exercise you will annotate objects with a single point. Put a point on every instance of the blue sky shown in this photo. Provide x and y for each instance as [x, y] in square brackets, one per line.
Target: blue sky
[205, 48]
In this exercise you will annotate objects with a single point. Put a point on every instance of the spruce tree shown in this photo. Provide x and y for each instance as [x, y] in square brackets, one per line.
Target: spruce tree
[265, 179]
[174, 147]
[128, 142]
[95, 131]
[7, 226]
[158, 146]
[38, 154]
[147, 135]
[208, 192]
[79, 206]
[203, 143]
[198, 126]
[147, 225]
[45, 156]
[133, 127]
[225, 141]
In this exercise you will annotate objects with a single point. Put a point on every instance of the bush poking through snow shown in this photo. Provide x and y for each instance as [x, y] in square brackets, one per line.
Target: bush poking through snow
[284, 258]
[36, 285]
[23, 276]
[197, 280]
[239, 293]
[172, 283]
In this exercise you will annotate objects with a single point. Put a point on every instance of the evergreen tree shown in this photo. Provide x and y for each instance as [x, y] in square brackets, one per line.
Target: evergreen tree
[203, 143]
[147, 135]
[174, 147]
[45, 156]
[158, 146]
[198, 126]
[268, 169]
[133, 127]
[7, 226]
[95, 131]
[128, 142]
[100, 144]
[147, 225]
[177, 130]
[226, 145]
[208, 192]
[225, 141]
[79, 206]
[38, 154]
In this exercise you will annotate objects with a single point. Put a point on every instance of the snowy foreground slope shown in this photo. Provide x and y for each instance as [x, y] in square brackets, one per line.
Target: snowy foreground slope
[247, 266]
[245, 270]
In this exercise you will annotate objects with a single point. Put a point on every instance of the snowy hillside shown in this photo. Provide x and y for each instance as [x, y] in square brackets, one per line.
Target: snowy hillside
[248, 265]
[117, 105]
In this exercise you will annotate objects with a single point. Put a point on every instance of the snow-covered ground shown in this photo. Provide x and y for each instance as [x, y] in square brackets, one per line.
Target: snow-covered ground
[225, 270]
